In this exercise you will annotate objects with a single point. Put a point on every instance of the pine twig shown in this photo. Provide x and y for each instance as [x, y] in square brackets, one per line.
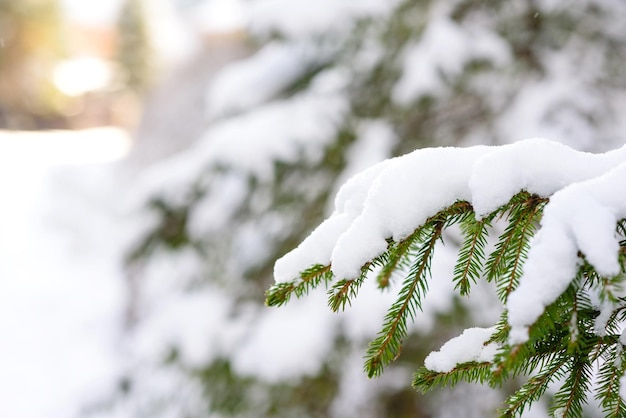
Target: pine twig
[386, 347]
[280, 293]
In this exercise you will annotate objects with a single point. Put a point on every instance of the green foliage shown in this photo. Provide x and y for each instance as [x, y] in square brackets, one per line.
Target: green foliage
[569, 352]
[478, 101]
[425, 379]
[344, 290]
[134, 53]
[610, 372]
[468, 269]
[309, 279]
[505, 262]
[233, 395]
[386, 348]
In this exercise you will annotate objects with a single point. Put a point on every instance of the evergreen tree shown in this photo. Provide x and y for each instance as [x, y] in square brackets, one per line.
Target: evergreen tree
[134, 53]
[31, 41]
[331, 91]
[562, 291]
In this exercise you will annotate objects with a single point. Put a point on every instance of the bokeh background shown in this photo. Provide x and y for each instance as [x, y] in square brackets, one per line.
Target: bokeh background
[157, 157]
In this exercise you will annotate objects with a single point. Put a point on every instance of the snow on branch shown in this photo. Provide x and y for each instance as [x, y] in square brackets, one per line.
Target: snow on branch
[471, 346]
[579, 218]
[393, 198]
[392, 214]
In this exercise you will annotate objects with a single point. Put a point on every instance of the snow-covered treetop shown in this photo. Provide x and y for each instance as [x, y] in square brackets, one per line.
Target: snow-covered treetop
[388, 218]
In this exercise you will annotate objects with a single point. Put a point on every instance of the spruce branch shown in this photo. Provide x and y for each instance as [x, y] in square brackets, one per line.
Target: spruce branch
[547, 337]
[621, 228]
[504, 265]
[526, 359]
[280, 293]
[454, 213]
[425, 380]
[397, 257]
[535, 387]
[609, 288]
[468, 268]
[563, 343]
[569, 400]
[345, 290]
[607, 392]
[386, 347]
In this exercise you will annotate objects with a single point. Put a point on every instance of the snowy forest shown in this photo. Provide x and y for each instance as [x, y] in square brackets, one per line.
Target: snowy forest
[374, 208]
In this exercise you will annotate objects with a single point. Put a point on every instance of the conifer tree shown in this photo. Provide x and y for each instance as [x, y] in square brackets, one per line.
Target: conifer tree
[564, 310]
[323, 98]
[134, 53]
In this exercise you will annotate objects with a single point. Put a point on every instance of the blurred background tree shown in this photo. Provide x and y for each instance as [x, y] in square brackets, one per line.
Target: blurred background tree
[57, 71]
[134, 47]
[31, 44]
[332, 88]
[273, 113]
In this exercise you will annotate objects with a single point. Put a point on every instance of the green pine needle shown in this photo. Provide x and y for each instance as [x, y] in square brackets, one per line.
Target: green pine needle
[563, 342]
[345, 290]
[280, 293]
[504, 265]
[469, 266]
[535, 387]
[386, 347]
[397, 258]
[569, 400]
[608, 383]
[425, 380]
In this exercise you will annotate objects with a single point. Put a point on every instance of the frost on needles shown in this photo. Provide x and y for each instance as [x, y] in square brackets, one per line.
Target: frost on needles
[558, 264]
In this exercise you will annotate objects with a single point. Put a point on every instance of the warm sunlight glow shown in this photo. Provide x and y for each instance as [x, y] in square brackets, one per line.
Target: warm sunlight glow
[81, 75]
[222, 16]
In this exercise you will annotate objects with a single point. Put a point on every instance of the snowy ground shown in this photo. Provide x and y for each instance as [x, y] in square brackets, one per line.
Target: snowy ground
[61, 292]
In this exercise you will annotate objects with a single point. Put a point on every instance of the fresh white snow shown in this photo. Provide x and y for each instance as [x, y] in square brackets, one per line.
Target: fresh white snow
[252, 81]
[580, 217]
[372, 206]
[305, 19]
[290, 130]
[469, 346]
[536, 165]
[396, 196]
[61, 292]
[442, 53]
[568, 103]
